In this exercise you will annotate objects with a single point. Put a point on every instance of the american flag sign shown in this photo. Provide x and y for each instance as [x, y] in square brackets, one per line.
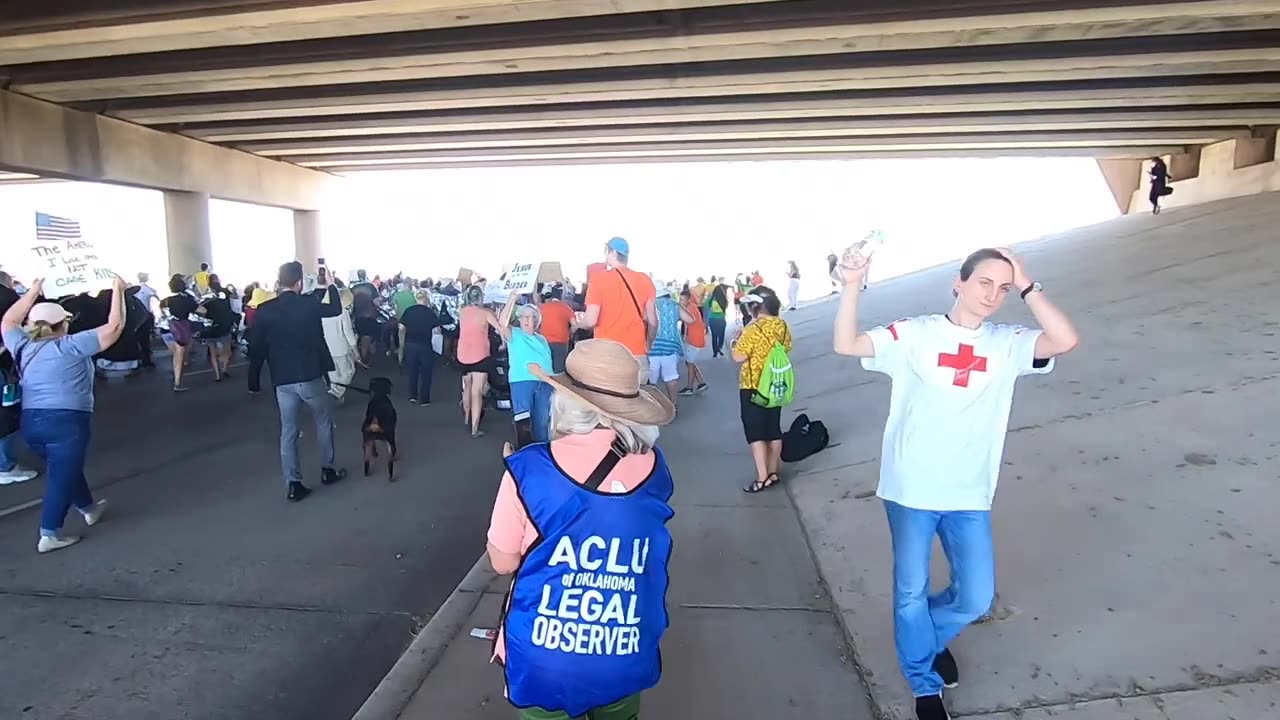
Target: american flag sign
[54, 229]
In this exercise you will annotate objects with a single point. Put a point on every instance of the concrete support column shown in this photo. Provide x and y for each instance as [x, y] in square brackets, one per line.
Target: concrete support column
[306, 239]
[186, 216]
[1124, 177]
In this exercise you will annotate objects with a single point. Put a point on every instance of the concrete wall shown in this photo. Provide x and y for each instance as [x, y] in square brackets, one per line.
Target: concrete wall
[1231, 168]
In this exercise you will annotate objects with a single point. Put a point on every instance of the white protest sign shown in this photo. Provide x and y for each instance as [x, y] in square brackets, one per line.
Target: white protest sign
[522, 278]
[495, 291]
[68, 262]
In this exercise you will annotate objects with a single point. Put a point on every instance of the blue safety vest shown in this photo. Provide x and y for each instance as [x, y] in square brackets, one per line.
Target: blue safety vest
[588, 604]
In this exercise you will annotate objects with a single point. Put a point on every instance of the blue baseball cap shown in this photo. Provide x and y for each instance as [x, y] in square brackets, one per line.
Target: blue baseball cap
[620, 246]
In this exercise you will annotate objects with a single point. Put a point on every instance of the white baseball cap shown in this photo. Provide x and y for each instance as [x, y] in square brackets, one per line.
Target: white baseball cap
[50, 313]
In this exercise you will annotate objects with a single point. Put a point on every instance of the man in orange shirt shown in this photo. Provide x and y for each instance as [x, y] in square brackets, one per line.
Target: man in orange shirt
[621, 305]
[557, 318]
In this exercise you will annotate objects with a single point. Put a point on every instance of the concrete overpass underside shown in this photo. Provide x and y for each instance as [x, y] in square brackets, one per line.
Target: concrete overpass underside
[382, 84]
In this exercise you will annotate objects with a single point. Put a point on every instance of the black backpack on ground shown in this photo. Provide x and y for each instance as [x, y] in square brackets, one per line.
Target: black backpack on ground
[804, 438]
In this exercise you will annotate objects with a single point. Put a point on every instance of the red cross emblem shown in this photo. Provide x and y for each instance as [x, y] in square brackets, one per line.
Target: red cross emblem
[963, 362]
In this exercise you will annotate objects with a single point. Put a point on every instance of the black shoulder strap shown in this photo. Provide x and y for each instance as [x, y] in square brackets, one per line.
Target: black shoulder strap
[606, 466]
[635, 302]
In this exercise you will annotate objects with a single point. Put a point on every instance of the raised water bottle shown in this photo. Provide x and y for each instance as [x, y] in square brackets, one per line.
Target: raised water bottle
[857, 254]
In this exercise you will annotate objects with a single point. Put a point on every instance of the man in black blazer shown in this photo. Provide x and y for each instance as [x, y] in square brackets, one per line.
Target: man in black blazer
[287, 335]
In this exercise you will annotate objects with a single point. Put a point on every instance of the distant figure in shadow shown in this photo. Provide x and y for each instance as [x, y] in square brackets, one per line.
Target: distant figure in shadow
[1159, 184]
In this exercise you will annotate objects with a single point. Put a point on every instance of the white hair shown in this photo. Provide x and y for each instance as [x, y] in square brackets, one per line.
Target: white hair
[570, 416]
[530, 309]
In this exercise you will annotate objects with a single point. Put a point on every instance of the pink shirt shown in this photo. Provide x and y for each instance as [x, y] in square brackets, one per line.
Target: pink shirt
[473, 335]
[578, 455]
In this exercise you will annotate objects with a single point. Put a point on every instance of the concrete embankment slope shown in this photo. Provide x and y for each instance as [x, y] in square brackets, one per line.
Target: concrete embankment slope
[1135, 523]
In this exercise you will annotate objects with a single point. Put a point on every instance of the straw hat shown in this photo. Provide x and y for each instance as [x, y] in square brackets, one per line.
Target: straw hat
[605, 376]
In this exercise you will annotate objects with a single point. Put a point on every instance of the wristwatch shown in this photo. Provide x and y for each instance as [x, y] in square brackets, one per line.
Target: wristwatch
[1033, 287]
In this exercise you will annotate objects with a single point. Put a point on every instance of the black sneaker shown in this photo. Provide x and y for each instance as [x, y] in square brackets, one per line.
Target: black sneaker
[945, 665]
[413, 401]
[685, 392]
[298, 492]
[330, 476]
[930, 707]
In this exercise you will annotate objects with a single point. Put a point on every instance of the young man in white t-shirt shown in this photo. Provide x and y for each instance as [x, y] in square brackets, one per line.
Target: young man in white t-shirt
[953, 378]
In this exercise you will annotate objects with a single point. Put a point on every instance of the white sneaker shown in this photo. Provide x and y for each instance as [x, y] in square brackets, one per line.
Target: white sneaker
[94, 516]
[49, 544]
[17, 475]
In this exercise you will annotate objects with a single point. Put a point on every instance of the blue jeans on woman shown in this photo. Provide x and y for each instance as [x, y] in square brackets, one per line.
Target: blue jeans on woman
[61, 439]
[717, 325]
[923, 625]
[420, 361]
[533, 397]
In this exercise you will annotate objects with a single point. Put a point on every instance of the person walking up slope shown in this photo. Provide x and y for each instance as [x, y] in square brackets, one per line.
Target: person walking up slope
[953, 378]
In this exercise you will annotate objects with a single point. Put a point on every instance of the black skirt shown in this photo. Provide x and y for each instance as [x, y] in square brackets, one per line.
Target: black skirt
[759, 424]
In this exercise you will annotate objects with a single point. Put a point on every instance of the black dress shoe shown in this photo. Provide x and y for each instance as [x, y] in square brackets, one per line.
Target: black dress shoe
[330, 476]
[298, 491]
[945, 665]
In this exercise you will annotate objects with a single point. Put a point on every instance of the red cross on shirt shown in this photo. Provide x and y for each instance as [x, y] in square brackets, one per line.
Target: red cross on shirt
[963, 362]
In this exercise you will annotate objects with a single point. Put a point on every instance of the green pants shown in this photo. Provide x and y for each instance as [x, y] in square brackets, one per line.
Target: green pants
[627, 708]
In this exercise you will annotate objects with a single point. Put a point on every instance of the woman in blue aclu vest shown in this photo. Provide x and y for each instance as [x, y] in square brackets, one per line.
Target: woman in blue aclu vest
[581, 522]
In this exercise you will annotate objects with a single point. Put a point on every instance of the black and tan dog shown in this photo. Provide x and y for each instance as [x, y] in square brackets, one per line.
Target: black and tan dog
[379, 424]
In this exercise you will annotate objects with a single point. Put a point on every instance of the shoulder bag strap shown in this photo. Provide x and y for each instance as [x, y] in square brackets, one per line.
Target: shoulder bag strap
[636, 303]
[606, 466]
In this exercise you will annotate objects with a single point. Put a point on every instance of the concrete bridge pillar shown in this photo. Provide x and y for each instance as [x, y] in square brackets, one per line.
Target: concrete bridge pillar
[186, 217]
[306, 239]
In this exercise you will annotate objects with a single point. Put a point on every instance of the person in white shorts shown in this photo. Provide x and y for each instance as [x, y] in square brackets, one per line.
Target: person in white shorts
[667, 347]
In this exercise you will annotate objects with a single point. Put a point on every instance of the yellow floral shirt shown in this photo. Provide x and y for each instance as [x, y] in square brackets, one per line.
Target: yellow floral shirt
[755, 342]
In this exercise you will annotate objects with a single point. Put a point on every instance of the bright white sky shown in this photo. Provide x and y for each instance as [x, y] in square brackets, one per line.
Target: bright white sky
[682, 221]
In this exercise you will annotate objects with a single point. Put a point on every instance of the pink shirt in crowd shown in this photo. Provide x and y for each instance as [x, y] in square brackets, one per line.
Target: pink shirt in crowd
[473, 335]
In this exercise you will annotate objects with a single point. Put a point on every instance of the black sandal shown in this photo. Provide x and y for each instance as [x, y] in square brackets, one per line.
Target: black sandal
[757, 485]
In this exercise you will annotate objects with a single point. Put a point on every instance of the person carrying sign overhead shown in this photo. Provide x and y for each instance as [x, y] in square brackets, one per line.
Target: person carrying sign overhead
[621, 305]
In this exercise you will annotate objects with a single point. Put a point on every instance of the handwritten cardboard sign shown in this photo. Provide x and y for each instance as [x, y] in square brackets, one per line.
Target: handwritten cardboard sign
[69, 262]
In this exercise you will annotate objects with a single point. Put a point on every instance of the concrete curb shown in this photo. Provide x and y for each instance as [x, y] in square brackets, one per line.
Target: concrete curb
[881, 709]
[397, 688]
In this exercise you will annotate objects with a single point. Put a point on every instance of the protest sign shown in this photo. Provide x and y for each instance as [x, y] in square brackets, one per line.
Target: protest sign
[550, 272]
[522, 278]
[68, 262]
[495, 292]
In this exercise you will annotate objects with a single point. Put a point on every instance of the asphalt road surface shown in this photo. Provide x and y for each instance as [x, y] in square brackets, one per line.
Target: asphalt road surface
[204, 595]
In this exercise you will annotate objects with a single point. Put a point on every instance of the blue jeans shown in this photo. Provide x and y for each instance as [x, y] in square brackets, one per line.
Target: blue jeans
[923, 625]
[533, 397]
[315, 395]
[717, 325]
[8, 449]
[420, 361]
[61, 439]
